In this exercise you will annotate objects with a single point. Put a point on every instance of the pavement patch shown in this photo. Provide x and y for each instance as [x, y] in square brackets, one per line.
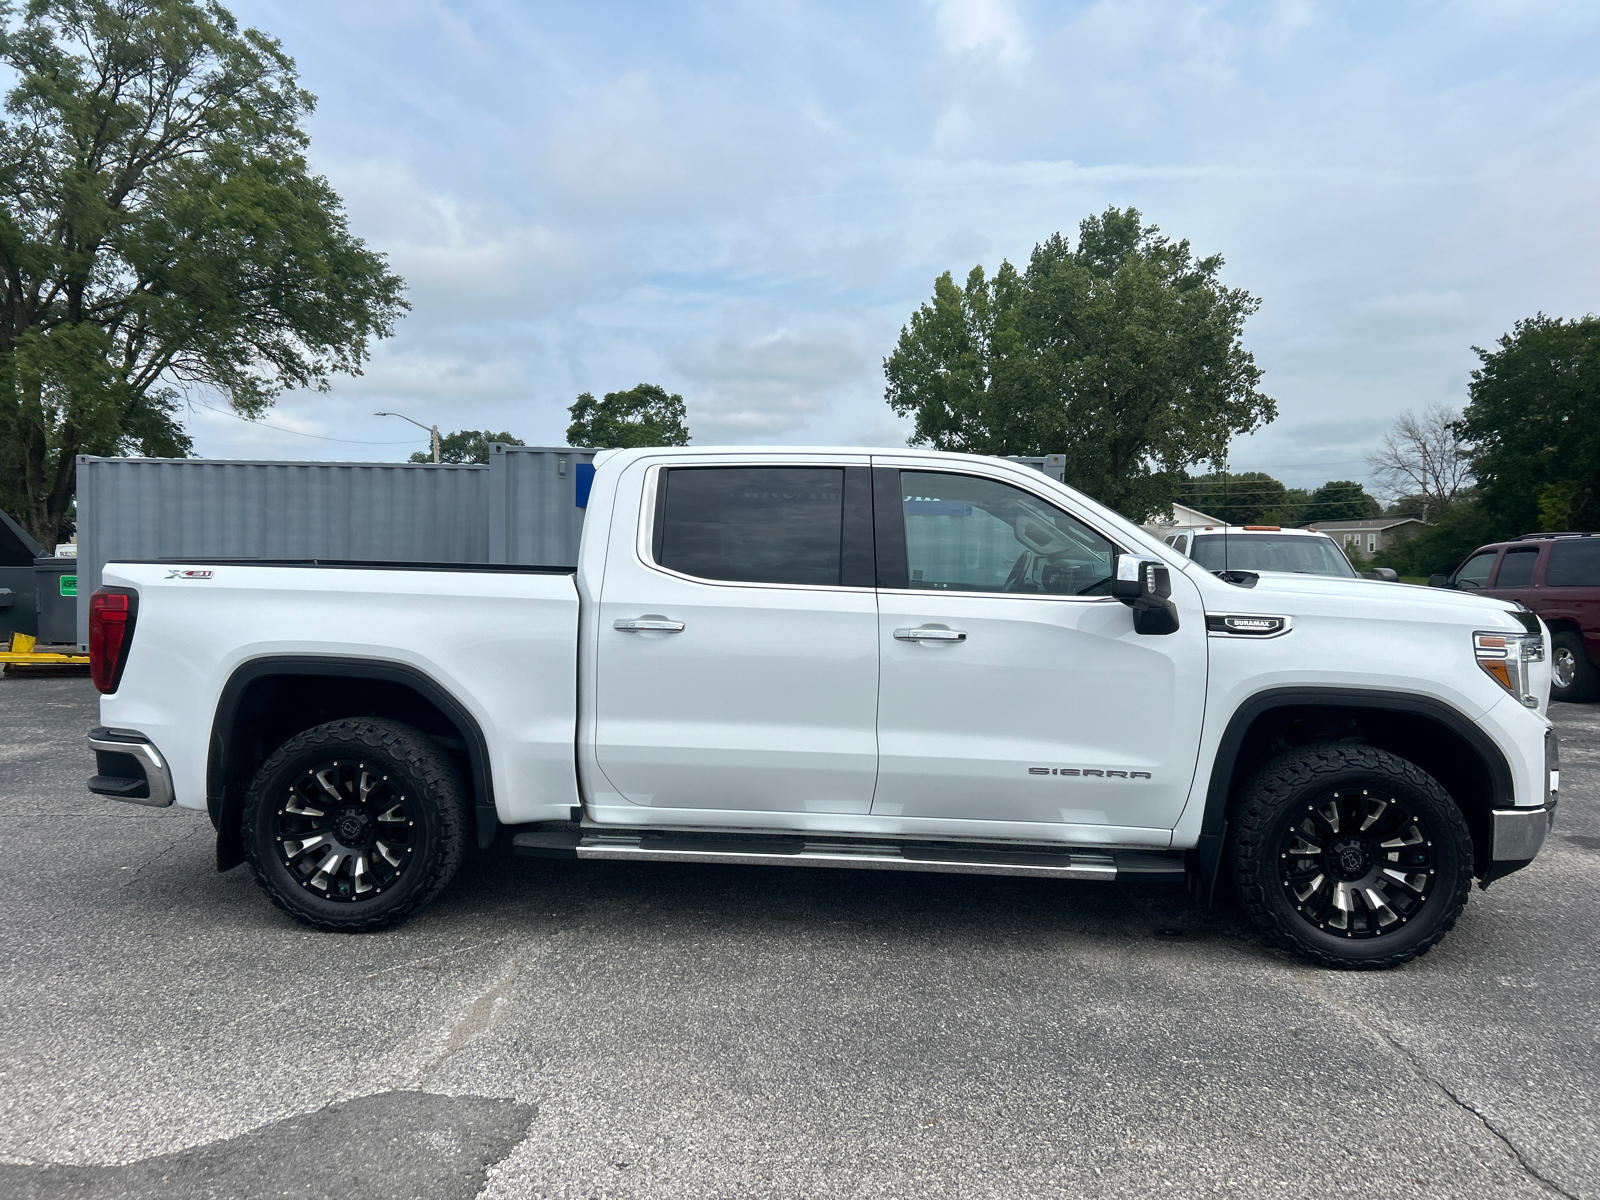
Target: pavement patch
[388, 1146]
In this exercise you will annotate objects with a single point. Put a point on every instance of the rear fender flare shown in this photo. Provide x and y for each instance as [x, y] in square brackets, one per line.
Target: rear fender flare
[225, 805]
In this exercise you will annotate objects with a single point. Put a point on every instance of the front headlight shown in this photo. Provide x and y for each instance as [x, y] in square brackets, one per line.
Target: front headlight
[1504, 657]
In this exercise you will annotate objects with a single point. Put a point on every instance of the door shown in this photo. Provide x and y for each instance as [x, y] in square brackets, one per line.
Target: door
[1013, 687]
[737, 656]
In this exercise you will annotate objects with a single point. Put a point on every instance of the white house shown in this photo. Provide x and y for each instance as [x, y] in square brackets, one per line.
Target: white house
[1180, 517]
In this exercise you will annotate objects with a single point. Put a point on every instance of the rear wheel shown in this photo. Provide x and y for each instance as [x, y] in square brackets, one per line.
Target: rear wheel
[1573, 677]
[356, 824]
[1350, 856]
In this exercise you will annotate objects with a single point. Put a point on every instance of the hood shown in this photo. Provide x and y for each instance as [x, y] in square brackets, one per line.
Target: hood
[1307, 595]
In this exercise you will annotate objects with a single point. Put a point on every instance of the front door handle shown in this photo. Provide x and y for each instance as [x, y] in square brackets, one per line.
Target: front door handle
[649, 626]
[930, 635]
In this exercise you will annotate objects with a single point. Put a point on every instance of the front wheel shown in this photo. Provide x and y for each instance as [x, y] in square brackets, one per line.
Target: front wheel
[354, 825]
[1350, 856]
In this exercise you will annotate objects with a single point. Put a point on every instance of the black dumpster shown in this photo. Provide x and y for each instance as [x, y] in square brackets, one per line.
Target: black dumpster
[19, 601]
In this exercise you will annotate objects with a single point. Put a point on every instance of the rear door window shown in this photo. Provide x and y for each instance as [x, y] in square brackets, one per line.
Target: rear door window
[1474, 573]
[1516, 568]
[752, 524]
[1573, 564]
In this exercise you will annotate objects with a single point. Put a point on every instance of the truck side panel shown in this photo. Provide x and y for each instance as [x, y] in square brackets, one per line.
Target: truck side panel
[503, 644]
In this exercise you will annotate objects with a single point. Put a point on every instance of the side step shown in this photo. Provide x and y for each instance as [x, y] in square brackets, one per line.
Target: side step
[1139, 865]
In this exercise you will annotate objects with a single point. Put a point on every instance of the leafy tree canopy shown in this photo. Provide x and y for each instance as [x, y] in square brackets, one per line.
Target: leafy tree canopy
[159, 230]
[466, 446]
[1534, 426]
[1245, 498]
[644, 415]
[1341, 500]
[1463, 527]
[1124, 353]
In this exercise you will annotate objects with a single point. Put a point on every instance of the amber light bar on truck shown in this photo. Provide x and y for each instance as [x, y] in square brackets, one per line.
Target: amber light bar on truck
[111, 616]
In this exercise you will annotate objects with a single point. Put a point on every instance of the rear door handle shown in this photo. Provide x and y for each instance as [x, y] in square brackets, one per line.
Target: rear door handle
[649, 626]
[930, 635]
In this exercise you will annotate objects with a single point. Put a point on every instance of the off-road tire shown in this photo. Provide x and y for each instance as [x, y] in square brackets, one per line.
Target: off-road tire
[436, 813]
[1585, 683]
[1279, 796]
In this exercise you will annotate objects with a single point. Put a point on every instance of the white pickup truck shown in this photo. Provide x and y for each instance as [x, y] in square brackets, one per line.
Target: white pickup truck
[895, 660]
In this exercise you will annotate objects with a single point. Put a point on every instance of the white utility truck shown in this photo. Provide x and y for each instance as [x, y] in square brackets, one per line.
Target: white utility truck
[895, 660]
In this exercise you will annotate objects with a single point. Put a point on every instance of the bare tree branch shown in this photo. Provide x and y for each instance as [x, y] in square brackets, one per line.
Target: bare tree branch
[1424, 456]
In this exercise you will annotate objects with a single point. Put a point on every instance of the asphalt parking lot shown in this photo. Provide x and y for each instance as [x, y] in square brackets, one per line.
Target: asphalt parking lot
[617, 1030]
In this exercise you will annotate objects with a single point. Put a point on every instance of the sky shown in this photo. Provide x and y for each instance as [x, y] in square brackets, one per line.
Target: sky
[744, 202]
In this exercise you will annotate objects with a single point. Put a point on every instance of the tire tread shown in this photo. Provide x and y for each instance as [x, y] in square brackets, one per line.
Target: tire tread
[1263, 800]
[418, 754]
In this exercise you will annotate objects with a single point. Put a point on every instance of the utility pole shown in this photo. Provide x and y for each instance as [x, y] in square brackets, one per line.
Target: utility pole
[433, 432]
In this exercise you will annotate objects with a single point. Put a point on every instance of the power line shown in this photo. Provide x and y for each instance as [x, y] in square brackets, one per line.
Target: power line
[297, 432]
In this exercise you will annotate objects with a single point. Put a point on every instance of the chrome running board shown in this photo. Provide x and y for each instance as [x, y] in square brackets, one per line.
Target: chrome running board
[1105, 865]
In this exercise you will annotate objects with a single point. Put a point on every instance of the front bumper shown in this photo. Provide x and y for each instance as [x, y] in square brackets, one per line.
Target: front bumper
[129, 767]
[1518, 834]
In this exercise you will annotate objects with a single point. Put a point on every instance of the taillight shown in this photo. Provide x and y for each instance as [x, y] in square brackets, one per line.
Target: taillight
[111, 615]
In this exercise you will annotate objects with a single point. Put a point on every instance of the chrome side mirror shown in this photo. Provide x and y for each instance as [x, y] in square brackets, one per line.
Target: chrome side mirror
[1145, 585]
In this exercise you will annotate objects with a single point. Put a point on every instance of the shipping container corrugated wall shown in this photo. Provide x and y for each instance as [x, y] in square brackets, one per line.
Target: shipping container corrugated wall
[520, 508]
[534, 516]
[143, 508]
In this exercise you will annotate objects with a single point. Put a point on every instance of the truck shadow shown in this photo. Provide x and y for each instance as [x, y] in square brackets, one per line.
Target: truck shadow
[671, 899]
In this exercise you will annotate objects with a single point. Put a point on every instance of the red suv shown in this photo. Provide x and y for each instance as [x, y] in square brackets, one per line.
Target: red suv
[1558, 576]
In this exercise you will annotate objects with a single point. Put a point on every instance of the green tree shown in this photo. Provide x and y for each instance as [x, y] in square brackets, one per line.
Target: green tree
[466, 446]
[1245, 498]
[1124, 353]
[644, 415]
[159, 231]
[1465, 525]
[1341, 500]
[1534, 426]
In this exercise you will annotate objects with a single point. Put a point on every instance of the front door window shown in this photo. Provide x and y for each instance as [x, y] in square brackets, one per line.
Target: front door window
[969, 534]
[1474, 573]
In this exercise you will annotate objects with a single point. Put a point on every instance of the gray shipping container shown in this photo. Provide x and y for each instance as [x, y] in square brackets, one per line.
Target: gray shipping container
[520, 508]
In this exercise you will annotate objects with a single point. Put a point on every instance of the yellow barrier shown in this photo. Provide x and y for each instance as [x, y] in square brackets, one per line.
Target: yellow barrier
[22, 653]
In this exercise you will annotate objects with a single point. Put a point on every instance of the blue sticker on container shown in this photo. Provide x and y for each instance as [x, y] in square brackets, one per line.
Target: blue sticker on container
[582, 481]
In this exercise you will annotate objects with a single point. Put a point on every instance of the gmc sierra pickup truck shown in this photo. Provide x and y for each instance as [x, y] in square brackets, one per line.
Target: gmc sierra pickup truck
[897, 660]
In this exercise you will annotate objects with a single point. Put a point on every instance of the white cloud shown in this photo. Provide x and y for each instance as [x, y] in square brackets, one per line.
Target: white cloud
[745, 203]
[981, 25]
[754, 379]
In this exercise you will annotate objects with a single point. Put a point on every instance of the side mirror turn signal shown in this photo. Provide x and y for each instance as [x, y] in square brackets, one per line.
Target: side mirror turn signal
[1145, 585]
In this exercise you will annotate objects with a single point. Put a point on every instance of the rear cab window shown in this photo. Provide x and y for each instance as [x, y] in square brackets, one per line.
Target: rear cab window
[1300, 554]
[1573, 563]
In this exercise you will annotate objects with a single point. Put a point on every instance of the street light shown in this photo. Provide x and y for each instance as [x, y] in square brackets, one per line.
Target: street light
[433, 431]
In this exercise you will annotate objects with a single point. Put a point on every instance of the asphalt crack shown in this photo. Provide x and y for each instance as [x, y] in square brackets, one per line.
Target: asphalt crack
[134, 872]
[1419, 1068]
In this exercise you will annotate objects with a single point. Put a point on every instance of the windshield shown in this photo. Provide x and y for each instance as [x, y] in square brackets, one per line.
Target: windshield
[1272, 552]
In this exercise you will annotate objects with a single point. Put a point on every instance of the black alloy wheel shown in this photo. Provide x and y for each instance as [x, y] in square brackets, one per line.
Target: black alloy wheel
[1349, 855]
[1358, 863]
[343, 830]
[355, 824]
